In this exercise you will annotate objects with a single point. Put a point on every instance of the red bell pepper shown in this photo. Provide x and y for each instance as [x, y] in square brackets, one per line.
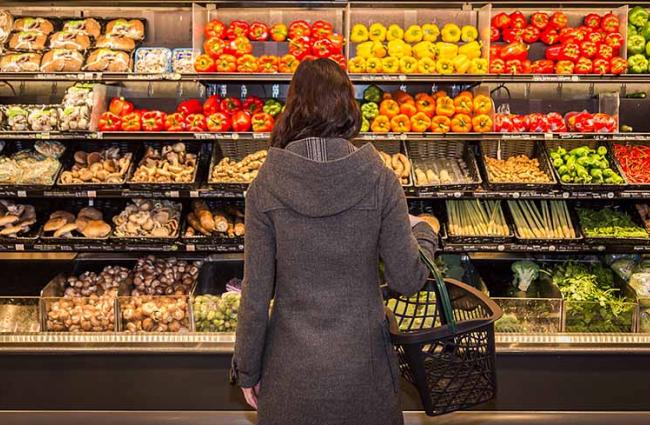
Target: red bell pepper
[615, 40]
[337, 42]
[226, 63]
[513, 51]
[596, 38]
[211, 105]
[340, 59]
[610, 23]
[253, 105]
[584, 66]
[237, 29]
[268, 64]
[279, 32]
[153, 121]
[204, 63]
[131, 121]
[538, 123]
[568, 35]
[195, 122]
[214, 47]
[108, 121]
[559, 20]
[240, 46]
[241, 121]
[495, 34]
[531, 34]
[564, 67]
[322, 48]
[556, 122]
[570, 52]
[218, 122]
[501, 20]
[497, 66]
[517, 20]
[526, 67]
[604, 123]
[299, 29]
[119, 106]
[520, 123]
[495, 51]
[503, 123]
[190, 106]
[321, 29]
[258, 31]
[550, 36]
[580, 34]
[584, 122]
[215, 29]
[299, 47]
[175, 122]
[601, 66]
[605, 52]
[539, 20]
[589, 49]
[262, 122]
[592, 20]
[617, 65]
[514, 66]
[289, 64]
[511, 35]
[542, 66]
[230, 105]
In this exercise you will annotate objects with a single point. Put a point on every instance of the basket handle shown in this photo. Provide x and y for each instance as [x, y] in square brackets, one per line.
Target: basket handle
[446, 310]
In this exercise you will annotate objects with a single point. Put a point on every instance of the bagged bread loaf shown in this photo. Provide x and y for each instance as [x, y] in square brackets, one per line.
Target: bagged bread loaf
[131, 28]
[6, 24]
[62, 60]
[107, 60]
[89, 27]
[69, 40]
[27, 41]
[115, 42]
[20, 62]
[40, 25]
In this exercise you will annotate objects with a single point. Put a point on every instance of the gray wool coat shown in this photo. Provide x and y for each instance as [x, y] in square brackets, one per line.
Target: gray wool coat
[319, 216]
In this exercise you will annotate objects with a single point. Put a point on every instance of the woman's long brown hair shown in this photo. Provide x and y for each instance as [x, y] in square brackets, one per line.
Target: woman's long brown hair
[320, 103]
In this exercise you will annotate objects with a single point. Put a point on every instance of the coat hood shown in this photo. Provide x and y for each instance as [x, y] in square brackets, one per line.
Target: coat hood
[321, 188]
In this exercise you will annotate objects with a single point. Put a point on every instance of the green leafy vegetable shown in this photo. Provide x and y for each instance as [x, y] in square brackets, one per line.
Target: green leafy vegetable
[609, 223]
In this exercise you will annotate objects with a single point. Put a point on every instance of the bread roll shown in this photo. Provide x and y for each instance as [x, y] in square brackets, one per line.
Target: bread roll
[131, 28]
[6, 24]
[69, 40]
[20, 62]
[89, 27]
[40, 25]
[115, 42]
[28, 41]
[107, 60]
[62, 60]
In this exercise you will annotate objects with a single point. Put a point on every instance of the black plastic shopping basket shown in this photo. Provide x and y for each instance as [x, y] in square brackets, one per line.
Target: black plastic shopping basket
[444, 337]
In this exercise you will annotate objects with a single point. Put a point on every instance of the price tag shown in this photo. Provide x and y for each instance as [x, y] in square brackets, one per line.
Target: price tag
[610, 195]
[403, 136]
[235, 136]
[21, 194]
[501, 248]
[19, 247]
[260, 135]
[43, 136]
[516, 195]
[565, 195]
[190, 247]
[548, 136]
[457, 194]
[402, 77]
[98, 135]
[194, 193]
[91, 193]
[173, 194]
[223, 90]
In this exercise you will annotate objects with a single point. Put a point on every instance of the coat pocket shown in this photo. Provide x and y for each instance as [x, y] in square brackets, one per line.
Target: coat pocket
[391, 357]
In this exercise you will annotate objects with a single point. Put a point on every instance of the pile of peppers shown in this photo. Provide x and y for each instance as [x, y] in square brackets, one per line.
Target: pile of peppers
[215, 114]
[553, 122]
[634, 161]
[229, 48]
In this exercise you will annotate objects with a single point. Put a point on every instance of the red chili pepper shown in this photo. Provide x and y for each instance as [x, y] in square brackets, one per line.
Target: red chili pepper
[190, 106]
[175, 122]
[108, 121]
[241, 121]
[253, 105]
[634, 161]
[132, 121]
[211, 105]
[218, 122]
[540, 20]
[230, 105]
[119, 106]
[195, 122]
[262, 122]
[215, 29]
[299, 29]
[321, 29]
[153, 121]
[258, 31]
[237, 29]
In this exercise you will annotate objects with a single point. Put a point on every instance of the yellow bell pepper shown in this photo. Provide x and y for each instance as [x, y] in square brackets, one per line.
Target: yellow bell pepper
[450, 33]
[378, 49]
[471, 50]
[445, 66]
[468, 33]
[408, 65]
[413, 34]
[395, 32]
[446, 50]
[478, 66]
[424, 49]
[461, 64]
[427, 65]
[359, 33]
[374, 65]
[357, 64]
[390, 64]
[377, 32]
[364, 49]
[430, 32]
[398, 48]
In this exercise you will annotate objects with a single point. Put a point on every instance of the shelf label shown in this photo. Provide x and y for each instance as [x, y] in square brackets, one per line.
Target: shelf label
[43, 136]
[261, 135]
[172, 194]
[91, 193]
[548, 136]
[208, 136]
[21, 194]
[190, 247]
[145, 77]
[194, 194]
[19, 247]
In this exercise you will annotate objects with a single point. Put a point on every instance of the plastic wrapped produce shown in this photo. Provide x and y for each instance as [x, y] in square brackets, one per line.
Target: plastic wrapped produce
[40, 25]
[79, 94]
[115, 42]
[107, 60]
[89, 27]
[69, 40]
[74, 118]
[131, 28]
[6, 23]
[183, 60]
[153, 60]
[27, 41]
[43, 118]
[62, 60]
[28, 167]
[20, 62]
[213, 313]
[16, 117]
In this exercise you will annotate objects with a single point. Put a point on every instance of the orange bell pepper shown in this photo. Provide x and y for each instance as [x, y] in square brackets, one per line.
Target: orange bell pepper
[288, 64]
[463, 104]
[420, 122]
[420, 96]
[482, 104]
[403, 97]
[461, 123]
[482, 123]
[381, 124]
[387, 95]
[400, 123]
[247, 63]
[440, 93]
[466, 93]
[388, 107]
[440, 124]
[408, 109]
[426, 104]
[445, 106]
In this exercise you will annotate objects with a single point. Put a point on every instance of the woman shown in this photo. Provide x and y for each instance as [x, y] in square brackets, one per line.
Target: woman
[319, 216]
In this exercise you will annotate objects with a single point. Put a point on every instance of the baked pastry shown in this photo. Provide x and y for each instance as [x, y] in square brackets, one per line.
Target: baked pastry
[41, 25]
[89, 27]
[28, 41]
[108, 60]
[20, 62]
[131, 28]
[62, 60]
[116, 42]
[69, 40]
[6, 23]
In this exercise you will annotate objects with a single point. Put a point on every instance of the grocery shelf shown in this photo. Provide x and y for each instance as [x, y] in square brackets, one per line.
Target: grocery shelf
[568, 247]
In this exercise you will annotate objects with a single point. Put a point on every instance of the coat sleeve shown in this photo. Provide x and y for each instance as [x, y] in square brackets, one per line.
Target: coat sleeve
[257, 291]
[399, 243]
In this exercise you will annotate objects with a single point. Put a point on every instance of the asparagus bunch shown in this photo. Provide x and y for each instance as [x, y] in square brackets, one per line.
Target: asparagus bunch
[476, 218]
[542, 219]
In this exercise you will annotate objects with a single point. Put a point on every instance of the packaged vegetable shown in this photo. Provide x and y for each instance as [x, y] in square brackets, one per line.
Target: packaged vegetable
[107, 60]
[131, 28]
[20, 62]
[69, 40]
[74, 117]
[62, 60]
[214, 313]
[153, 60]
[27, 41]
[183, 60]
[115, 42]
[16, 117]
[43, 118]
[89, 27]
[40, 25]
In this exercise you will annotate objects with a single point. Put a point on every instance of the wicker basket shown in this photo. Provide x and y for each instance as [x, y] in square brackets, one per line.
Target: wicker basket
[194, 148]
[391, 147]
[236, 150]
[424, 154]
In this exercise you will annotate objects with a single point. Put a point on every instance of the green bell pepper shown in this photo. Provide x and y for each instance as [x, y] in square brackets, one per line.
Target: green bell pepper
[602, 150]
[272, 107]
[365, 125]
[373, 94]
[631, 30]
[647, 49]
[635, 44]
[644, 31]
[581, 151]
[369, 110]
[637, 64]
[638, 16]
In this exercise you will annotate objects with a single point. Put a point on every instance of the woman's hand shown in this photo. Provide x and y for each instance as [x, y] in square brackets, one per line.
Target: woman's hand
[250, 394]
